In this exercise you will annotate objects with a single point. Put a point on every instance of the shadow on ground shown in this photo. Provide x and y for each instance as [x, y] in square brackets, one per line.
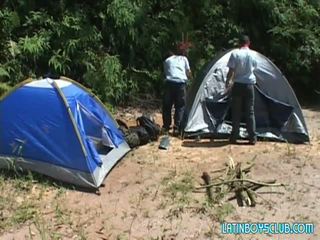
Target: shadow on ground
[208, 144]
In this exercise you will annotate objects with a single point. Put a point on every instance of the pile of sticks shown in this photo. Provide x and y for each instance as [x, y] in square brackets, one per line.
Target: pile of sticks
[235, 180]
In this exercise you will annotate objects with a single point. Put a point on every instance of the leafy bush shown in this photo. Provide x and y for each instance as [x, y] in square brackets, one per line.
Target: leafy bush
[4, 88]
[108, 79]
[117, 46]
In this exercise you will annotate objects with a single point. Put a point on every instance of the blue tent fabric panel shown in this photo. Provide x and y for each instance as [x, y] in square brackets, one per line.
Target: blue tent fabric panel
[76, 94]
[91, 125]
[42, 130]
[94, 154]
[94, 160]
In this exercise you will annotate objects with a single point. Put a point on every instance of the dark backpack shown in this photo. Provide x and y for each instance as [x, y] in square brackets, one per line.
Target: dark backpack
[135, 136]
[132, 138]
[142, 133]
[152, 128]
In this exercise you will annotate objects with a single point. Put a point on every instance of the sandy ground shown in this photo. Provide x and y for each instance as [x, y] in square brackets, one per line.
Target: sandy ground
[139, 200]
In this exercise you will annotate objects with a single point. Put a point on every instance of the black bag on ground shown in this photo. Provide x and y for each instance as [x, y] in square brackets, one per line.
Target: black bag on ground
[142, 133]
[139, 135]
[132, 138]
[152, 128]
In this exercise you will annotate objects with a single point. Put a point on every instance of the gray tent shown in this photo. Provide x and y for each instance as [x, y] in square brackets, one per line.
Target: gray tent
[277, 110]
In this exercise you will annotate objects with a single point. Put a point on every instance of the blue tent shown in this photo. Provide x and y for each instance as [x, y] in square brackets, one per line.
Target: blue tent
[58, 128]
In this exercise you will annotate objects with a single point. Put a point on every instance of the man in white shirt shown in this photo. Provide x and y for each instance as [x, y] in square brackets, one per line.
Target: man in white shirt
[241, 72]
[177, 71]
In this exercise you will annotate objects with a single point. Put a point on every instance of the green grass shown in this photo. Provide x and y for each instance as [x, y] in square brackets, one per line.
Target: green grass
[22, 196]
[179, 196]
[24, 212]
[15, 210]
[221, 212]
[179, 188]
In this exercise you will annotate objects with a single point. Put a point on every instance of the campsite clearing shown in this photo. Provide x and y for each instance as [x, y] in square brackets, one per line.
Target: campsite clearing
[150, 193]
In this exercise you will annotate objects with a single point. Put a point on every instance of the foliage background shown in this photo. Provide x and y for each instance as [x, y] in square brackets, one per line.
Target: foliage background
[116, 47]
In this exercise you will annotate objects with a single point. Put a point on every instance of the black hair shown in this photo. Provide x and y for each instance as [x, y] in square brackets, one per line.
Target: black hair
[244, 39]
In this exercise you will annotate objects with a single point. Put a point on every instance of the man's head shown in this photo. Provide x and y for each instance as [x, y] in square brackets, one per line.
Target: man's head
[244, 40]
[183, 47]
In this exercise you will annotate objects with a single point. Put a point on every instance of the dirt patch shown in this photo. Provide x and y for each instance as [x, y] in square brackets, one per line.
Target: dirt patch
[150, 193]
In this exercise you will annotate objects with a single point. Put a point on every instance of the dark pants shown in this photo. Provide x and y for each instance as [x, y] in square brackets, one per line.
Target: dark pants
[174, 94]
[243, 98]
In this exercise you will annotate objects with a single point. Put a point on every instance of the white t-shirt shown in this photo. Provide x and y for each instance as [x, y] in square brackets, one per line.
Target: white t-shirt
[243, 64]
[176, 68]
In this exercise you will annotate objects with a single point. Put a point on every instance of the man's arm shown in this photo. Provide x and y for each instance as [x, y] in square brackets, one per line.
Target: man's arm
[187, 68]
[231, 65]
[189, 74]
[229, 81]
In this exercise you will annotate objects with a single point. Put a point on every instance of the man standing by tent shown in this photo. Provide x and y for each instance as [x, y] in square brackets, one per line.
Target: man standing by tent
[177, 71]
[241, 72]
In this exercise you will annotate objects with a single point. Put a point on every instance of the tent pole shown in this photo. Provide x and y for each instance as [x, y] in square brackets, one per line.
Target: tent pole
[71, 117]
